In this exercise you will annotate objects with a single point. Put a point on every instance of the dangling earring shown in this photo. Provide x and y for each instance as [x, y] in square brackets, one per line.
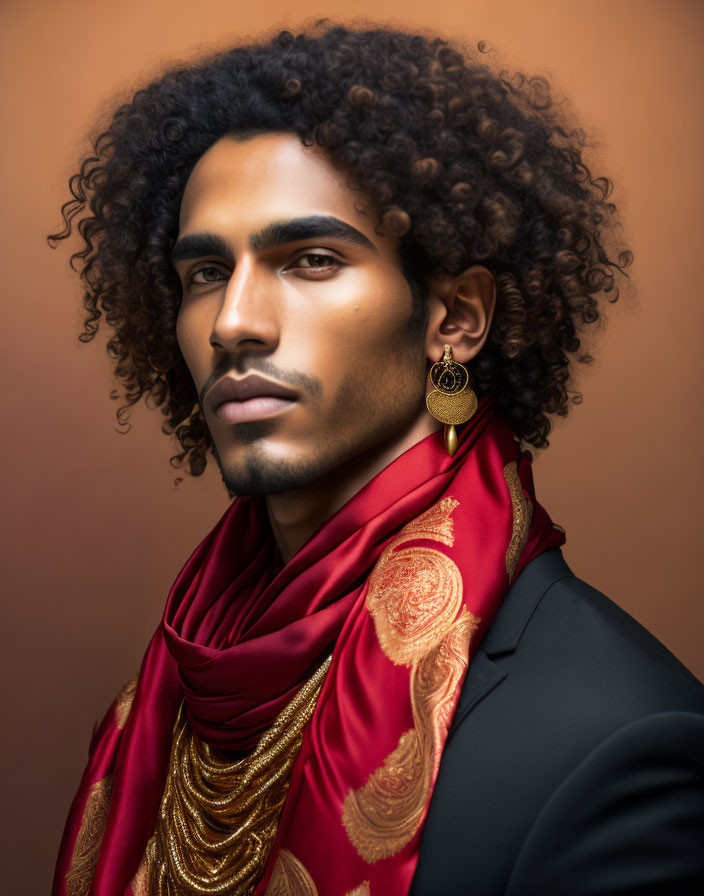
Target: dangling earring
[452, 401]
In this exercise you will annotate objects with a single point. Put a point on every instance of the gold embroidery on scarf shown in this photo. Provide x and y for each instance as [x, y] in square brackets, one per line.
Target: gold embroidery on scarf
[290, 877]
[382, 816]
[361, 890]
[140, 882]
[414, 597]
[123, 704]
[415, 593]
[434, 682]
[435, 524]
[85, 853]
[218, 819]
[522, 516]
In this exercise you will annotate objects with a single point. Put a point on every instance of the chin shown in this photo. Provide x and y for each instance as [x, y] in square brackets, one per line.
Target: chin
[262, 474]
[263, 462]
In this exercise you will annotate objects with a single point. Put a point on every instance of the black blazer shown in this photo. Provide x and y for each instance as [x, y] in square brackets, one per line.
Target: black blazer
[575, 761]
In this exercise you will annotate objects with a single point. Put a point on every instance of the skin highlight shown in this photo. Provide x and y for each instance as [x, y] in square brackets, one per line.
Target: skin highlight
[328, 317]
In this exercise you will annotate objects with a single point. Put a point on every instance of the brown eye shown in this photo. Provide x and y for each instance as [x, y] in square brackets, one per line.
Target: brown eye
[317, 260]
[316, 266]
[207, 274]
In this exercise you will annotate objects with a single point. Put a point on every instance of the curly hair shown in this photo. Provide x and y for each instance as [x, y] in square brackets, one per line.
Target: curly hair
[465, 165]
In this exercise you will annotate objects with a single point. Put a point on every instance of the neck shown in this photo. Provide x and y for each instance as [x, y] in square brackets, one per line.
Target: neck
[294, 516]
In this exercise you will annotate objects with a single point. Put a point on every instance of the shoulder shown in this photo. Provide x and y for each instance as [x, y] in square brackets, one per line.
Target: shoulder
[632, 810]
[575, 647]
[575, 669]
[567, 700]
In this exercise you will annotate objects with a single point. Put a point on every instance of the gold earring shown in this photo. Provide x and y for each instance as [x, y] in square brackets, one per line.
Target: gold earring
[452, 401]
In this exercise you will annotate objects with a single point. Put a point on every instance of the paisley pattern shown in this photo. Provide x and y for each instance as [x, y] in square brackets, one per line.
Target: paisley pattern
[361, 890]
[522, 517]
[123, 704]
[414, 598]
[90, 835]
[290, 877]
[395, 590]
[95, 815]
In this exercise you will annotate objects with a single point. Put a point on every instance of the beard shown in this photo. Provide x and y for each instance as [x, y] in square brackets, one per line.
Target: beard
[259, 474]
[368, 419]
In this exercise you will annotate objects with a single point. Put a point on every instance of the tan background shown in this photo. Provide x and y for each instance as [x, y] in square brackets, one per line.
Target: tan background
[94, 530]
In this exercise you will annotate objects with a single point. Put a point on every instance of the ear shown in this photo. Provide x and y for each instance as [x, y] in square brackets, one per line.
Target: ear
[460, 313]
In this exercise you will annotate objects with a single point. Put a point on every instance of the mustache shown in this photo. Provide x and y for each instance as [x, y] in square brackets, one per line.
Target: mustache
[312, 385]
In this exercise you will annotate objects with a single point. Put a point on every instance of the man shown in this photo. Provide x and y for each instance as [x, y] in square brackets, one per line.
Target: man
[354, 266]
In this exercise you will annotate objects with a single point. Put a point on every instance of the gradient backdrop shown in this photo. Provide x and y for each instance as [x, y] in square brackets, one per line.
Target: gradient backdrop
[94, 530]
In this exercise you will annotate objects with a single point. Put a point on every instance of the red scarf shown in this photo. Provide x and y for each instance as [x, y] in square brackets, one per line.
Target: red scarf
[402, 581]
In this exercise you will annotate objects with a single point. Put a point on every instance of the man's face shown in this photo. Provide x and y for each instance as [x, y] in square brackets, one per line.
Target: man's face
[295, 315]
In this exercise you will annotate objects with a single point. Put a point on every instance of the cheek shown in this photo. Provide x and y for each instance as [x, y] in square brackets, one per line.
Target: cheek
[367, 313]
[373, 353]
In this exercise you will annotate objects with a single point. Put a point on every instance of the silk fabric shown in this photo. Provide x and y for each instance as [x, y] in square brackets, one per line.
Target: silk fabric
[400, 585]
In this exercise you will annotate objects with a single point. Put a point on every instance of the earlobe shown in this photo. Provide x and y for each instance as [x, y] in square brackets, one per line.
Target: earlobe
[461, 310]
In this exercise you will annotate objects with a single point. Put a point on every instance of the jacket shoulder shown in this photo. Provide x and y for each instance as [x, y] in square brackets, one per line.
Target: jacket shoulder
[631, 813]
[602, 657]
[561, 671]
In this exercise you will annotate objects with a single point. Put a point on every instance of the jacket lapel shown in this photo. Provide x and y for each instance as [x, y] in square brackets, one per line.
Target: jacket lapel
[508, 625]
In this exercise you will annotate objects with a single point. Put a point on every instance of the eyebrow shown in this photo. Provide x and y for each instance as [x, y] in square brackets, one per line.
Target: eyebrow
[198, 245]
[277, 233]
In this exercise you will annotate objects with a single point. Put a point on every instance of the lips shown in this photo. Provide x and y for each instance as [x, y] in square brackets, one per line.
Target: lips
[251, 398]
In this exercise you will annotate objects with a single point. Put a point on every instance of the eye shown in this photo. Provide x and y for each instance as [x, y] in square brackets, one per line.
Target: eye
[206, 274]
[316, 262]
[320, 257]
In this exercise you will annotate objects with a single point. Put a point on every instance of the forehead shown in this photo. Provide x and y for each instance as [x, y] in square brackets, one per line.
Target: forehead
[243, 183]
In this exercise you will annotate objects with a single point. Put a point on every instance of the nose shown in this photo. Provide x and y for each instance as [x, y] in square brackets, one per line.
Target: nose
[247, 317]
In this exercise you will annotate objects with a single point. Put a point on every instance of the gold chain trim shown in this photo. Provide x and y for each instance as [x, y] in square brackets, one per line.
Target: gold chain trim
[218, 820]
